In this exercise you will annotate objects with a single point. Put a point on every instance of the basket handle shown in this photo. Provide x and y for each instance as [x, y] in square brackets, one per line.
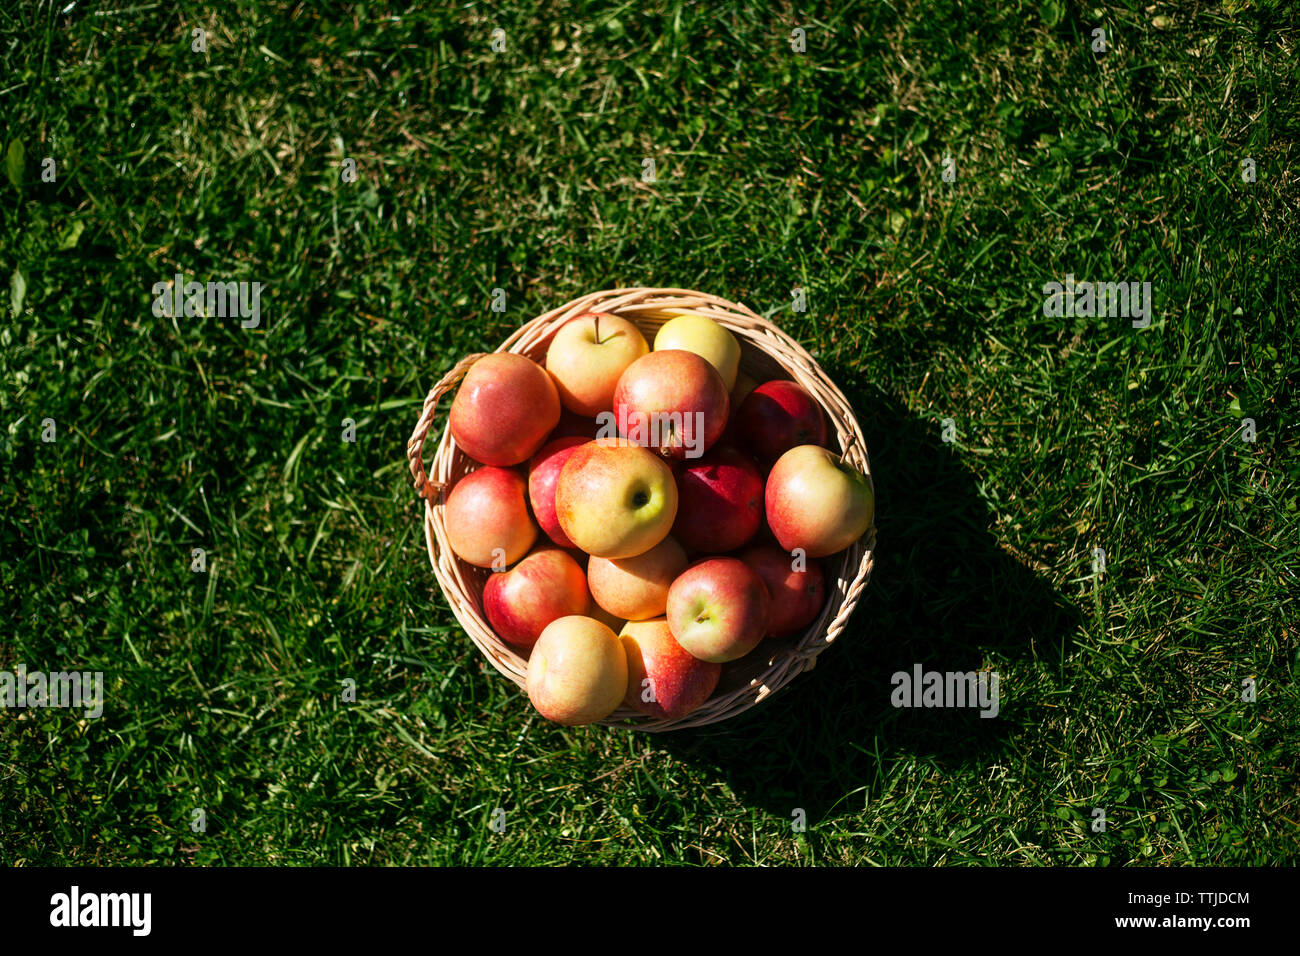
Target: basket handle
[424, 487]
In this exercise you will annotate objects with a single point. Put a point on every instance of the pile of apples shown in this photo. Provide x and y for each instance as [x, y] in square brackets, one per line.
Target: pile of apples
[682, 507]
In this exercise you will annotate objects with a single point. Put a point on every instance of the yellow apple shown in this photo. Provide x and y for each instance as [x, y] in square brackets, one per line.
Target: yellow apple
[577, 673]
[696, 333]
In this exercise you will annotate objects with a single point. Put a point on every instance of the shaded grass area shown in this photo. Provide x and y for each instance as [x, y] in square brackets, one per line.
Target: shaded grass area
[522, 170]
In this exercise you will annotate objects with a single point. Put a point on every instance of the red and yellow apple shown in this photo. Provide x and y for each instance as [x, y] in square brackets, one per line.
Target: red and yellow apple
[587, 356]
[817, 502]
[521, 602]
[673, 401]
[636, 588]
[504, 409]
[717, 609]
[577, 672]
[487, 518]
[663, 680]
[615, 499]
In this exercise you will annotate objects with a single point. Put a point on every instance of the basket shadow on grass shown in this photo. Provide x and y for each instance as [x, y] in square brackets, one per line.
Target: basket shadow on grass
[942, 594]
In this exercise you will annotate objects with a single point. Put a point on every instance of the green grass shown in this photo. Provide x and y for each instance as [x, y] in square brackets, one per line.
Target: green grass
[775, 170]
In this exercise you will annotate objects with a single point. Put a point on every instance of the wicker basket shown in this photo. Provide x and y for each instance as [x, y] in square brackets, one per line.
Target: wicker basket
[766, 353]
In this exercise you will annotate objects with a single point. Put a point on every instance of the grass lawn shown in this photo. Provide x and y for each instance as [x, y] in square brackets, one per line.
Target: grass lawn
[1169, 157]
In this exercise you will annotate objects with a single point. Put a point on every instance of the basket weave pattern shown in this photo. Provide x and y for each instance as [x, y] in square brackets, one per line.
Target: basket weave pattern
[766, 353]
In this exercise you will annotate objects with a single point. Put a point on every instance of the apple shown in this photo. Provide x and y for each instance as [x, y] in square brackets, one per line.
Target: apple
[577, 672]
[717, 609]
[719, 501]
[587, 356]
[706, 338]
[504, 409]
[672, 400]
[775, 417]
[663, 680]
[487, 518]
[818, 502]
[543, 473]
[615, 499]
[636, 588]
[546, 585]
[797, 596]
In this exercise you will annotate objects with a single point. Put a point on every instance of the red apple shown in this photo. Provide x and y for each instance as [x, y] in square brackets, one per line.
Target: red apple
[719, 501]
[615, 499]
[673, 401]
[577, 672]
[717, 609]
[487, 518]
[816, 501]
[546, 585]
[663, 680]
[776, 416]
[543, 474]
[797, 595]
[504, 409]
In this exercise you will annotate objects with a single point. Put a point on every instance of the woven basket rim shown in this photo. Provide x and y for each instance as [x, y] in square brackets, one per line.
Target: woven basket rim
[762, 342]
